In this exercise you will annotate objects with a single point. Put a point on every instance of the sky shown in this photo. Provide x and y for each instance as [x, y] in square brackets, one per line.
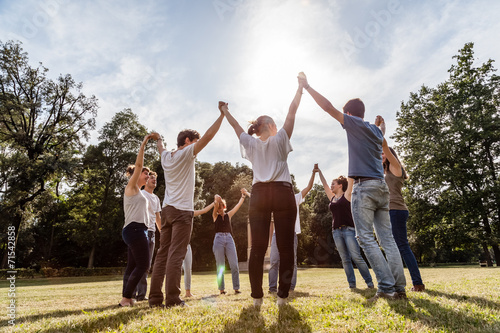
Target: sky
[172, 61]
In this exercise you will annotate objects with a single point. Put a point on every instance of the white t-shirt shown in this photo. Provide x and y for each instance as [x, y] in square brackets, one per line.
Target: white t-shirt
[179, 178]
[298, 201]
[268, 157]
[153, 208]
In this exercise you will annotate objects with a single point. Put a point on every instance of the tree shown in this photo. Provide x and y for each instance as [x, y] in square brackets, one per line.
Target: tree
[449, 137]
[42, 127]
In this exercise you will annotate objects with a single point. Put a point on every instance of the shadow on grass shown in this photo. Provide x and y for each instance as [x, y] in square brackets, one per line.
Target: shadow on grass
[434, 315]
[465, 298]
[64, 280]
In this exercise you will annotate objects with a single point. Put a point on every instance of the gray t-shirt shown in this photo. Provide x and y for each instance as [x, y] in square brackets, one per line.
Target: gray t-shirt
[364, 142]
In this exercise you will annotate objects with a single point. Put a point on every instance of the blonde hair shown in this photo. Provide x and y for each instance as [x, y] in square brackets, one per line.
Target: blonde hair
[131, 169]
[256, 125]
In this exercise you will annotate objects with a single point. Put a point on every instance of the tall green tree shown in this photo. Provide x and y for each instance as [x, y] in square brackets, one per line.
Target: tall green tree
[449, 137]
[43, 124]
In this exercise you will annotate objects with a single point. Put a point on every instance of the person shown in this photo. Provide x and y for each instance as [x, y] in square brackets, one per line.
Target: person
[223, 242]
[275, 255]
[187, 264]
[370, 194]
[344, 232]
[154, 209]
[134, 232]
[395, 175]
[272, 193]
[177, 213]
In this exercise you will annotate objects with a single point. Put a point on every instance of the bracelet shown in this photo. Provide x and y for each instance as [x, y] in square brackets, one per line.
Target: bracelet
[307, 87]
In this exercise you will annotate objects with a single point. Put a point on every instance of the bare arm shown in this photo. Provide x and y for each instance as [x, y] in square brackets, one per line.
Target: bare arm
[328, 191]
[158, 221]
[203, 211]
[223, 107]
[380, 123]
[395, 166]
[348, 192]
[290, 118]
[323, 102]
[209, 135]
[132, 188]
[310, 185]
[159, 145]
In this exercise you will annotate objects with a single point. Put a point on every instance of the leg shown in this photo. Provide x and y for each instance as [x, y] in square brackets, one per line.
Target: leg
[398, 222]
[232, 258]
[275, 264]
[355, 252]
[220, 261]
[142, 286]
[159, 268]
[345, 256]
[187, 264]
[135, 236]
[294, 277]
[363, 205]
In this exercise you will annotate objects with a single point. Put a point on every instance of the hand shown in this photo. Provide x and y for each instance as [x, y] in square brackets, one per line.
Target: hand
[379, 120]
[302, 80]
[154, 136]
[223, 106]
[316, 168]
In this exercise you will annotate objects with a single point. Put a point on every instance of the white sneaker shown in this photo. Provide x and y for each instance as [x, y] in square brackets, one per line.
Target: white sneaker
[257, 302]
[281, 301]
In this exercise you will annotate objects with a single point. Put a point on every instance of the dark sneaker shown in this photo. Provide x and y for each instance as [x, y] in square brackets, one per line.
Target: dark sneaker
[380, 294]
[418, 287]
[402, 295]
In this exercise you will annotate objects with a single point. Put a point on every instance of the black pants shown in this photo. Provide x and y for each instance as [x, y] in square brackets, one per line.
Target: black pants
[276, 198]
[135, 236]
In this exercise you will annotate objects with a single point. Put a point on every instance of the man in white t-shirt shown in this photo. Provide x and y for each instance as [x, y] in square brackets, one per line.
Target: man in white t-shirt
[154, 209]
[275, 256]
[177, 213]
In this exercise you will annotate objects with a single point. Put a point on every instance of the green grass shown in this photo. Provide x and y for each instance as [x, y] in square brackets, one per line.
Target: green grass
[458, 299]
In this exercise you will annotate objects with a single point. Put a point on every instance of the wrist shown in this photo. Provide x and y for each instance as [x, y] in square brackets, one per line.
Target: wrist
[307, 86]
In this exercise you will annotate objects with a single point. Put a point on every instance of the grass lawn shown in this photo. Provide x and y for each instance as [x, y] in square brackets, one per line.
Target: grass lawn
[458, 299]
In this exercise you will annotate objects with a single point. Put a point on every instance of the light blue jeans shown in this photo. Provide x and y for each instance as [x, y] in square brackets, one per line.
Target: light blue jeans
[224, 247]
[187, 267]
[275, 265]
[349, 251]
[370, 211]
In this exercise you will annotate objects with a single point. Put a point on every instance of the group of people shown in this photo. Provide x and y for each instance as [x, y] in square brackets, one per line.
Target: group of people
[361, 204]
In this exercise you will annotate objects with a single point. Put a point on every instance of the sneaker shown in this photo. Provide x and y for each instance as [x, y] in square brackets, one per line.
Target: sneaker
[418, 288]
[181, 304]
[402, 295]
[371, 286]
[281, 301]
[141, 299]
[237, 292]
[380, 294]
[257, 302]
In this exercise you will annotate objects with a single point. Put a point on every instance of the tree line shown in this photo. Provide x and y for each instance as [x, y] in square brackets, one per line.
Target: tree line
[65, 197]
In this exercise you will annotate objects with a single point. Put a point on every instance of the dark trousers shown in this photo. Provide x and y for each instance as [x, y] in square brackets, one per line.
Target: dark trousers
[142, 286]
[276, 198]
[176, 226]
[135, 236]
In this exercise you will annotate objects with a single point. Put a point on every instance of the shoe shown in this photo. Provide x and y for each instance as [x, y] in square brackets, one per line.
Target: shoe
[181, 304]
[237, 292]
[281, 301]
[257, 302]
[124, 306]
[402, 295]
[161, 306]
[222, 292]
[380, 294]
[418, 288]
[371, 286]
[140, 299]
[272, 291]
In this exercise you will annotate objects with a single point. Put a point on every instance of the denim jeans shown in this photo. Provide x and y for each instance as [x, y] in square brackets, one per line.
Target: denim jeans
[135, 236]
[398, 222]
[187, 267]
[142, 287]
[224, 247]
[176, 227]
[276, 199]
[349, 251]
[370, 211]
[275, 264]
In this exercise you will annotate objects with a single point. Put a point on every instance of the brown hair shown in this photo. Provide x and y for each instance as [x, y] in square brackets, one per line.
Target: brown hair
[387, 164]
[152, 173]
[256, 125]
[355, 107]
[131, 169]
[342, 181]
[187, 133]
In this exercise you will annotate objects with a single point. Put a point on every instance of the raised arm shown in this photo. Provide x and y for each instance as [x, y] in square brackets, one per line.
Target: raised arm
[292, 110]
[327, 188]
[322, 101]
[348, 192]
[395, 166]
[223, 107]
[209, 135]
[203, 211]
[159, 144]
[238, 205]
[132, 188]
[310, 185]
[380, 123]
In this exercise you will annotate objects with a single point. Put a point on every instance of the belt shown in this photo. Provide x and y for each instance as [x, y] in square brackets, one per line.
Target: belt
[342, 226]
[362, 179]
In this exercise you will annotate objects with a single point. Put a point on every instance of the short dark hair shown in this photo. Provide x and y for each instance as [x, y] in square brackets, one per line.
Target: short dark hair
[187, 133]
[355, 107]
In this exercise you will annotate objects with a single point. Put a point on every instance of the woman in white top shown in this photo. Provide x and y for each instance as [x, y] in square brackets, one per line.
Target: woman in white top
[134, 232]
[272, 194]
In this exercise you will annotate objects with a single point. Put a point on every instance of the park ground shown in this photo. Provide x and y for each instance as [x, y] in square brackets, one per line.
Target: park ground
[457, 299]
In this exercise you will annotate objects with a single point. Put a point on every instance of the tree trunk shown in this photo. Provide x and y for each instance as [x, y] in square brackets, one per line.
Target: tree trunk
[91, 257]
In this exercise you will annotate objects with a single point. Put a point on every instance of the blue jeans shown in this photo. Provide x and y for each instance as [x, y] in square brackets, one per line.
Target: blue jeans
[370, 211]
[275, 264]
[135, 236]
[398, 221]
[348, 247]
[187, 267]
[224, 247]
[142, 287]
